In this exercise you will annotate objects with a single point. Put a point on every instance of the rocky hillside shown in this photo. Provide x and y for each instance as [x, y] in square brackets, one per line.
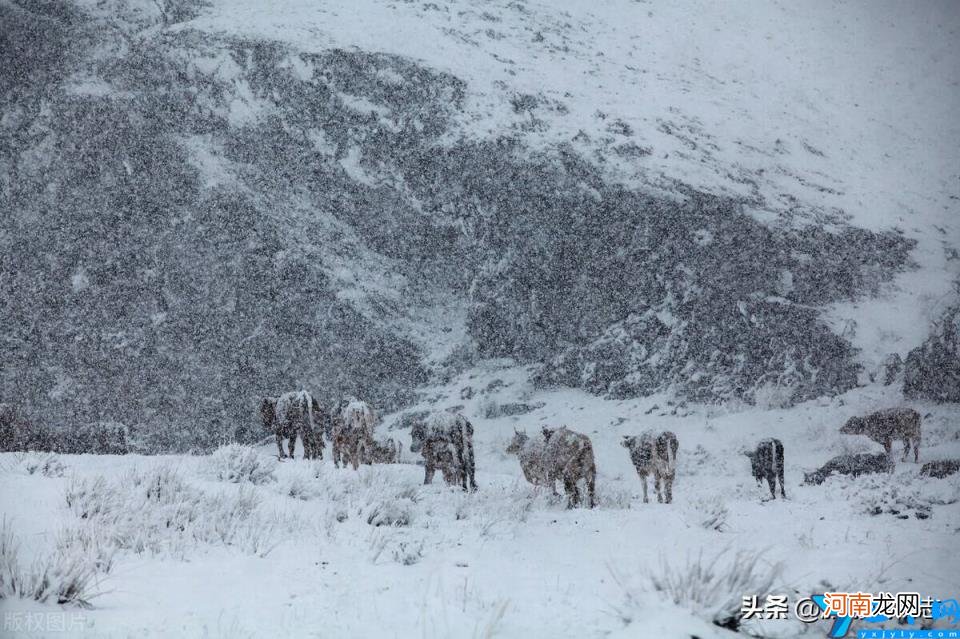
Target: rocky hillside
[199, 217]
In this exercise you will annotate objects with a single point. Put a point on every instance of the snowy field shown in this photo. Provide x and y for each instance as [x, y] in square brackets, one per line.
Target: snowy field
[303, 549]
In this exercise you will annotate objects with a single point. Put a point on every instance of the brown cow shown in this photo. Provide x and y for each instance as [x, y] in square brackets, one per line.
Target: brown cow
[442, 456]
[654, 454]
[884, 426]
[566, 455]
[292, 414]
[530, 453]
[352, 433]
[382, 452]
[432, 436]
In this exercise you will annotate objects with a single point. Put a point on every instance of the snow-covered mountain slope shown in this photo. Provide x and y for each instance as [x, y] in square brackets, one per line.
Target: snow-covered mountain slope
[811, 113]
[214, 201]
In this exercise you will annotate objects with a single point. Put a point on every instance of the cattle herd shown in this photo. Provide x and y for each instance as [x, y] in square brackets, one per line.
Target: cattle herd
[445, 441]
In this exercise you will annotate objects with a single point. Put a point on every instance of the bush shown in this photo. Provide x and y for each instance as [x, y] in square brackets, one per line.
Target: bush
[19, 434]
[98, 438]
[65, 577]
[489, 408]
[237, 463]
[46, 464]
[902, 496]
[158, 511]
[301, 486]
[390, 512]
[101, 438]
[709, 512]
[771, 395]
[714, 589]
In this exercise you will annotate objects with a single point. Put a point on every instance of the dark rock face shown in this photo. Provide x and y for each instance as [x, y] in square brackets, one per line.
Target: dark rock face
[134, 291]
[932, 370]
[180, 203]
[891, 368]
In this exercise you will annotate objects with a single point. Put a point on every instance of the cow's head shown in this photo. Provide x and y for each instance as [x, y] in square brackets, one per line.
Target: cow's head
[755, 465]
[854, 426]
[630, 442]
[268, 411]
[418, 433]
[517, 442]
[812, 478]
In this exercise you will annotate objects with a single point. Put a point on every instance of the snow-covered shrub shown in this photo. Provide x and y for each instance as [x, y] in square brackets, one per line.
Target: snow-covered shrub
[64, 577]
[98, 438]
[236, 463]
[771, 395]
[489, 408]
[700, 461]
[709, 512]
[390, 512]
[403, 550]
[903, 495]
[89, 498]
[46, 464]
[92, 542]
[614, 496]
[713, 588]
[157, 511]
[300, 486]
[408, 552]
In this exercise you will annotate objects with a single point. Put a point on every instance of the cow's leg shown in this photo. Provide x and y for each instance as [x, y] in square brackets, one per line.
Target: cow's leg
[668, 488]
[772, 482]
[355, 455]
[591, 489]
[428, 470]
[658, 482]
[573, 495]
[643, 482]
[471, 465]
[780, 477]
[335, 451]
[888, 446]
[916, 449]
[461, 465]
[906, 449]
[280, 446]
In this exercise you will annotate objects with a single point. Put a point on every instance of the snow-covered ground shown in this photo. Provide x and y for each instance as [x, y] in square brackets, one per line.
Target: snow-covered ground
[307, 558]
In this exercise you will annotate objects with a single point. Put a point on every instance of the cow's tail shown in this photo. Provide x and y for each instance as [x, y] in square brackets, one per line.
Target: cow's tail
[773, 458]
[309, 400]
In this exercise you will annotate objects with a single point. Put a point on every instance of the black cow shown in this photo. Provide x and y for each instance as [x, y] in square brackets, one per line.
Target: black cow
[853, 465]
[441, 429]
[766, 462]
